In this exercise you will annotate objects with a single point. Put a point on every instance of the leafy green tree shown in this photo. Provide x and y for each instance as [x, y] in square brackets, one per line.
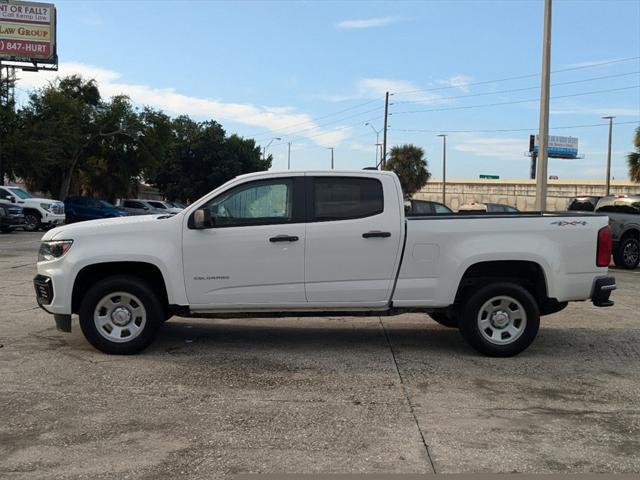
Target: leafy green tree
[57, 131]
[203, 158]
[633, 159]
[409, 163]
[8, 127]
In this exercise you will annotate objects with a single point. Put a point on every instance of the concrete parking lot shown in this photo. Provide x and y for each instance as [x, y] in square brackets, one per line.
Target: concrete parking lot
[314, 395]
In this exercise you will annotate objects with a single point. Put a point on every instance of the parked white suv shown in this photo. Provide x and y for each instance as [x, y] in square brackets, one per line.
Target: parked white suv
[38, 212]
[322, 243]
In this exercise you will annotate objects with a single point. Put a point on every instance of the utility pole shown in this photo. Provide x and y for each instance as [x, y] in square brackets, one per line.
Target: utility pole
[331, 148]
[609, 154]
[543, 136]
[384, 136]
[444, 167]
[289, 156]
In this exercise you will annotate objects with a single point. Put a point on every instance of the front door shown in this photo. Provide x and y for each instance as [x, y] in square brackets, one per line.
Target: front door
[353, 241]
[253, 254]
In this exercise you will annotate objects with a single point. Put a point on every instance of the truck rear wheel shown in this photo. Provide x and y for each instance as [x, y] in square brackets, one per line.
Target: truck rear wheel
[627, 255]
[120, 315]
[500, 319]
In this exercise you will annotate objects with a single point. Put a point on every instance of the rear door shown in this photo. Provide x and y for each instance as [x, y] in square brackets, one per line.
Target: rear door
[352, 240]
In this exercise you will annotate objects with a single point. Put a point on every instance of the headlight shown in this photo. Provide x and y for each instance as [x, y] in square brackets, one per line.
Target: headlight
[53, 249]
[46, 206]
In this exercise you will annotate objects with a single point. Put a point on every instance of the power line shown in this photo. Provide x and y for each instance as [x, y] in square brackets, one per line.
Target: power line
[505, 130]
[513, 90]
[519, 77]
[513, 102]
[313, 120]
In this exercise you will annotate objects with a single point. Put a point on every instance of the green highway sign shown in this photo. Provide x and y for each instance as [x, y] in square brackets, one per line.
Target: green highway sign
[490, 177]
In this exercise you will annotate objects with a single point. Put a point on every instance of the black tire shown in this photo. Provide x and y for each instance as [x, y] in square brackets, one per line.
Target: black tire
[627, 255]
[31, 221]
[477, 337]
[128, 285]
[444, 319]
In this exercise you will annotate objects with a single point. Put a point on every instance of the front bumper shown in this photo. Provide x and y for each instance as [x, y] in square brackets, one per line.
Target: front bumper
[53, 219]
[602, 288]
[12, 221]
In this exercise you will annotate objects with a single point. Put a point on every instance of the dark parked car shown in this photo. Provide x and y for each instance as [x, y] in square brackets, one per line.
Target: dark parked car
[583, 204]
[477, 207]
[424, 207]
[11, 217]
[624, 219]
[83, 208]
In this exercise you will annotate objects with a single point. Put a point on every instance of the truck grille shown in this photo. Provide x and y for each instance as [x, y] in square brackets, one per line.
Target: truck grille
[44, 289]
[14, 211]
[57, 209]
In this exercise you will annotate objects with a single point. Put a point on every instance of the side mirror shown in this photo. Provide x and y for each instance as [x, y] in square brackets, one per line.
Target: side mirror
[145, 208]
[202, 219]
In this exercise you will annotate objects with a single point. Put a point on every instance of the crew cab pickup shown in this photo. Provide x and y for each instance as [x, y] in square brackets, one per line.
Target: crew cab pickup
[321, 243]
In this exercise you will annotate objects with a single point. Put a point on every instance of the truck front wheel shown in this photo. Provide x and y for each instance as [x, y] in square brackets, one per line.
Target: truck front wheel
[120, 315]
[500, 319]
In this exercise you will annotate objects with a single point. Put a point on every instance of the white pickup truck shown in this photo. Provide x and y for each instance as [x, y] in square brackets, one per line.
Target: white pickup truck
[321, 243]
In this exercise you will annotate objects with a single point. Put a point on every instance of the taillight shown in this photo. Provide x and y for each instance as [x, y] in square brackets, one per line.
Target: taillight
[603, 255]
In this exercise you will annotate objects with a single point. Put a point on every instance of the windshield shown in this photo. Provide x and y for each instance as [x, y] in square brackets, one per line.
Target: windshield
[21, 193]
[104, 204]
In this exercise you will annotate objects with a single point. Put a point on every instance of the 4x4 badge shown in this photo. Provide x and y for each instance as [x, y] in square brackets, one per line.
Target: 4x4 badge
[564, 223]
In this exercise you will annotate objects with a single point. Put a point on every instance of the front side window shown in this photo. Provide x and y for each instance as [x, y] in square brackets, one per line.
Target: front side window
[342, 198]
[256, 203]
[157, 205]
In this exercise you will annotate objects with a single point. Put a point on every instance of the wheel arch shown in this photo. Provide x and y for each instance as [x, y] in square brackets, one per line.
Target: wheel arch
[528, 274]
[633, 232]
[90, 274]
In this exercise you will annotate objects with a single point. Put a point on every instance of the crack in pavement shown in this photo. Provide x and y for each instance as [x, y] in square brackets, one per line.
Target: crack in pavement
[406, 394]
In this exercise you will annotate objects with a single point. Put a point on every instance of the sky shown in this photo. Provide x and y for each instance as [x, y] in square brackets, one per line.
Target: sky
[314, 73]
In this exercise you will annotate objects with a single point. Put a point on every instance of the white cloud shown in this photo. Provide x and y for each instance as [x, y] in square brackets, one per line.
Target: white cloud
[598, 111]
[593, 63]
[280, 120]
[376, 87]
[461, 82]
[499, 148]
[367, 22]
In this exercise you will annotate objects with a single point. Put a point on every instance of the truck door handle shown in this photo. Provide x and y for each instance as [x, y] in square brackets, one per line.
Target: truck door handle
[284, 238]
[376, 234]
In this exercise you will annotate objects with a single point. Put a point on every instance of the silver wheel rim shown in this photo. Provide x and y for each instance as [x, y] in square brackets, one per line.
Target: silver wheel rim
[30, 222]
[631, 252]
[120, 317]
[502, 320]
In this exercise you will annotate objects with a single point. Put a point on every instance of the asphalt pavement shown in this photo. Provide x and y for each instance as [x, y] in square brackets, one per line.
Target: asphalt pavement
[214, 398]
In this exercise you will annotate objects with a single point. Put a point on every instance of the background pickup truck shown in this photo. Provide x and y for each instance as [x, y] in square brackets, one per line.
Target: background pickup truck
[624, 219]
[321, 243]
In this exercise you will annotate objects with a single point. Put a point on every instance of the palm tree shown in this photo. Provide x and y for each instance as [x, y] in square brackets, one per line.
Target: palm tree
[633, 159]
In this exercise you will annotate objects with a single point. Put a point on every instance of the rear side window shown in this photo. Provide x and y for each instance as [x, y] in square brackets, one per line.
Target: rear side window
[626, 208]
[439, 208]
[583, 206]
[343, 198]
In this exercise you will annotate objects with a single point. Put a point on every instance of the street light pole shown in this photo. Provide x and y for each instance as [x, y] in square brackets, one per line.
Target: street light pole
[377, 140]
[289, 156]
[609, 154]
[264, 149]
[444, 167]
[543, 136]
[331, 148]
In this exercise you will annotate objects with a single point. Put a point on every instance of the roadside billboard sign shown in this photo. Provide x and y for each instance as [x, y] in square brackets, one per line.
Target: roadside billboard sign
[28, 32]
[559, 146]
